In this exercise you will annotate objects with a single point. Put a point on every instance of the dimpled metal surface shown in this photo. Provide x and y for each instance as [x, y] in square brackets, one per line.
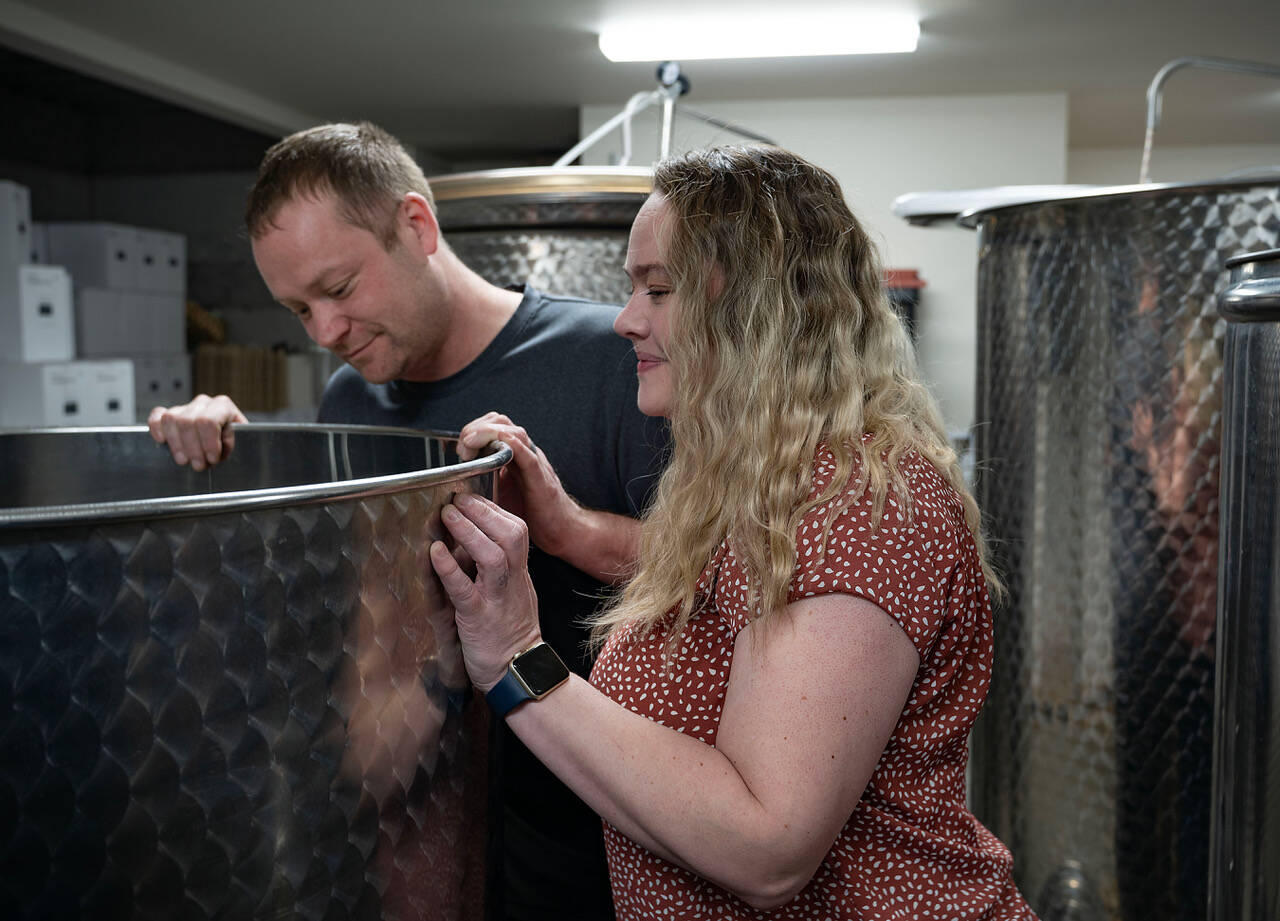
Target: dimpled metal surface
[580, 263]
[257, 714]
[1100, 369]
[573, 246]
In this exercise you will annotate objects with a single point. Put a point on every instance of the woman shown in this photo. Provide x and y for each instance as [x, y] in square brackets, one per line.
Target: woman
[776, 725]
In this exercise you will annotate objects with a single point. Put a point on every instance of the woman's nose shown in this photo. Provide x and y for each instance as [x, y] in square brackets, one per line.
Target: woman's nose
[629, 323]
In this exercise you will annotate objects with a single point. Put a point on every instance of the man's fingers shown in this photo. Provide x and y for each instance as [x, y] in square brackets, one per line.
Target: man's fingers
[198, 432]
[477, 434]
[209, 436]
[171, 426]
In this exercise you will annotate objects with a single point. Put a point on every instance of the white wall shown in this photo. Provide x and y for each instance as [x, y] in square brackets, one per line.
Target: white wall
[1107, 166]
[880, 149]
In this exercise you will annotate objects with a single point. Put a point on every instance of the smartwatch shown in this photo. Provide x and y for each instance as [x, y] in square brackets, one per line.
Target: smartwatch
[532, 675]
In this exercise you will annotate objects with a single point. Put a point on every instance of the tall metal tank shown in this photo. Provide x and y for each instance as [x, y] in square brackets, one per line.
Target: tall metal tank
[1099, 408]
[235, 694]
[563, 229]
[1244, 847]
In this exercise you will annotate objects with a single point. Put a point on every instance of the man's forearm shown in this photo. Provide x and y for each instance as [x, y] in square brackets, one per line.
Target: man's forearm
[604, 545]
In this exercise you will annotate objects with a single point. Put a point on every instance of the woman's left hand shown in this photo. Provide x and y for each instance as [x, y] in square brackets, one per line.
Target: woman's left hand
[497, 612]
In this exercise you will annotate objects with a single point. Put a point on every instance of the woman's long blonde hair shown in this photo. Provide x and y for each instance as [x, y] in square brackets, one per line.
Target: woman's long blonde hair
[781, 337]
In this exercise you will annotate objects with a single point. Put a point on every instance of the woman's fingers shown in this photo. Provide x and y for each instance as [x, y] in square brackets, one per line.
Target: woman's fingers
[496, 540]
[459, 587]
[476, 515]
[496, 612]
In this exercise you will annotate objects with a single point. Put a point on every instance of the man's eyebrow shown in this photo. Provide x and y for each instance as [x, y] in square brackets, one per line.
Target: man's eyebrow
[325, 277]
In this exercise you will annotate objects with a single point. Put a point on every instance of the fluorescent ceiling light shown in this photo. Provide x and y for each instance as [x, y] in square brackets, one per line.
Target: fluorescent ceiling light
[789, 34]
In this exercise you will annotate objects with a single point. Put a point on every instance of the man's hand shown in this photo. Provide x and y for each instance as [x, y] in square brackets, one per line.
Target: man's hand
[199, 432]
[529, 487]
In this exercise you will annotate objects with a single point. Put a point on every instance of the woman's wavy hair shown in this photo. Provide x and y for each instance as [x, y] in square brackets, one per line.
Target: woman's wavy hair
[781, 337]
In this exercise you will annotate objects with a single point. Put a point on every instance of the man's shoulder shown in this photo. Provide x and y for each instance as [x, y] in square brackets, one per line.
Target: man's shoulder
[569, 315]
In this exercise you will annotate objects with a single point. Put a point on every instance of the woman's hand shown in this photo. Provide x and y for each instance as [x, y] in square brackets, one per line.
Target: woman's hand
[528, 487]
[497, 612]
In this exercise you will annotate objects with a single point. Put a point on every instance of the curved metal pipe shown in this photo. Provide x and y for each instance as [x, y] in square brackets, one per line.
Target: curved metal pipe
[1154, 98]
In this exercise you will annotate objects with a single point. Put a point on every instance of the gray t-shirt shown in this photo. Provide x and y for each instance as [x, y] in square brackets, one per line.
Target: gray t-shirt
[558, 369]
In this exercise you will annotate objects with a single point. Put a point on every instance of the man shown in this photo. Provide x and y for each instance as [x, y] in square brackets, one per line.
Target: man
[345, 236]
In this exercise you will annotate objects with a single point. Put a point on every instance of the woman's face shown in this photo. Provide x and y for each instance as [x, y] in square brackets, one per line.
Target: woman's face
[646, 318]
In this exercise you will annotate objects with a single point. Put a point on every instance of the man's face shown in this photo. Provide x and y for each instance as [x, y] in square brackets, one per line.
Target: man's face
[377, 309]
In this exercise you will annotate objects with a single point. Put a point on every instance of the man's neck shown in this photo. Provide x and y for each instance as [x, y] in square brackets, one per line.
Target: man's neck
[478, 311]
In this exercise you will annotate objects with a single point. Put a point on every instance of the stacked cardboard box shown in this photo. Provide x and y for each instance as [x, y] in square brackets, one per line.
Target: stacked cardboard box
[130, 302]
[41, 382]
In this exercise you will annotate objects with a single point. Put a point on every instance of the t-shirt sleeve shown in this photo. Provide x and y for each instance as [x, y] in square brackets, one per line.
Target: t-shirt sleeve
[906, 566]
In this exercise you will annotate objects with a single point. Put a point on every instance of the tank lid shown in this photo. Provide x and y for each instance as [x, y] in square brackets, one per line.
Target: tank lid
[1253, 295]
[560, 182]
[974, 216]
[1266, 255]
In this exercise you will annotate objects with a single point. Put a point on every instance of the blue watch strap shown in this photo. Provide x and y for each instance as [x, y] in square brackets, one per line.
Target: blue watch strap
[506, 695]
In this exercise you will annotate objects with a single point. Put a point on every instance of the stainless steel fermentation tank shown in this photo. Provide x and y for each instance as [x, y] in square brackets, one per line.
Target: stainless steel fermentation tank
[235, 694]
[562, 229]
[1245, 841]
[1100, 408]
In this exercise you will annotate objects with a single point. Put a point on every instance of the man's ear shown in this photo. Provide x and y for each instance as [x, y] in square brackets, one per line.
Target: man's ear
[416, 215]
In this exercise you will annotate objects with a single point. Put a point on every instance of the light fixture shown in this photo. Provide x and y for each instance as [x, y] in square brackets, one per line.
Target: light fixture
[790, 33]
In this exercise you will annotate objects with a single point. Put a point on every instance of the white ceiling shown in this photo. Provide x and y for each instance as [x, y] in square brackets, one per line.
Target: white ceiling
[506, 76]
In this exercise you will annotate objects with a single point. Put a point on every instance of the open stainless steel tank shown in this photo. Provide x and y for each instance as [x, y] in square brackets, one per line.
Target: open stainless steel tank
[562, 229]
[235, 694]
[1097, 449]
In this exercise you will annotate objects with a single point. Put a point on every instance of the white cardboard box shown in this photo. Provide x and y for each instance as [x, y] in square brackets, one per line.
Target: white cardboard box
[98, 255]
[129, 323]
[15, 224]
[40, 244]
[162, 262]
[36, 320]
[66, 393]
[161, 380]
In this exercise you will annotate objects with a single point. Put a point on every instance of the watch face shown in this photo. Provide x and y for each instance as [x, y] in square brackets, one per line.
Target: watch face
[541, 669]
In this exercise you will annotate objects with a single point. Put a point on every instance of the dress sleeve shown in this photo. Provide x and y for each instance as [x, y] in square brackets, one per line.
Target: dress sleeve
[909, 565]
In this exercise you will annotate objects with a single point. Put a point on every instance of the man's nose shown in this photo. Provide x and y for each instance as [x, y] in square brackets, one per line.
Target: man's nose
[328, 326]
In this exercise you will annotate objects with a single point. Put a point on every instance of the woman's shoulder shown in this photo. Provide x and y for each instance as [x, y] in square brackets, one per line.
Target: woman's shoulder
[928, 500]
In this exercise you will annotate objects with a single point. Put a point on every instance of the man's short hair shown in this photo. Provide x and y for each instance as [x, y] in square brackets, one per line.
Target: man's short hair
[365, 168]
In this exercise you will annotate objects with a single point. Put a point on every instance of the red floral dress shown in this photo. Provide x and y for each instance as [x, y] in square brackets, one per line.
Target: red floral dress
[911, 849]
